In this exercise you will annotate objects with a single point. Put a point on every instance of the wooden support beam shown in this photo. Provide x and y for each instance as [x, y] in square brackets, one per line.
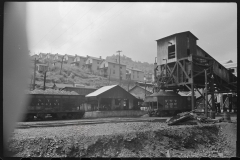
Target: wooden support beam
[192, 87]
[183, 70]
[203, 97]
[188, 87]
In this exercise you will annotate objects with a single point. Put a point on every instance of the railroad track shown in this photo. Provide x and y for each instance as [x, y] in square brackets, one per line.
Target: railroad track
[87, 122]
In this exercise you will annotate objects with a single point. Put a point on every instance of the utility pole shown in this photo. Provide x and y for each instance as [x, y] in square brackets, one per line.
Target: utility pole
[119, 66]
[206, 96]
[45, 74]
[61, 65]
[34, 74]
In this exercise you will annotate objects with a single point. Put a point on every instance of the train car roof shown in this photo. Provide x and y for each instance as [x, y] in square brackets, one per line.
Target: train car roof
[52, 92]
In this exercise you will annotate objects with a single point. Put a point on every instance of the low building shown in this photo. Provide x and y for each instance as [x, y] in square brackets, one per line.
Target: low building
[92, 64]
[140, 92]
[42, 67]
[111, 70]
[135, 74]
[112, 97]
[84, 90]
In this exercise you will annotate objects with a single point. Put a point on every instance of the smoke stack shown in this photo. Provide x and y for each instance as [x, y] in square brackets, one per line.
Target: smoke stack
[116, 60]
[100, 57]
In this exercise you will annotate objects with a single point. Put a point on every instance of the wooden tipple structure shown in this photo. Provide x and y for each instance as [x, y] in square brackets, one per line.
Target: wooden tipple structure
[183, 66]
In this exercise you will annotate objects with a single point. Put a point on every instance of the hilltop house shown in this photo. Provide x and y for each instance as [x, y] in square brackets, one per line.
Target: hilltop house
[79, 61]
[111, 70]
[57, 57]
[42, 55]
[135, 74]
[92, 64]
[68, 58]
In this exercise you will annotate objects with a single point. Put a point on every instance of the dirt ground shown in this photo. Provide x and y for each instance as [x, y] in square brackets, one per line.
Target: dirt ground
[132, 139]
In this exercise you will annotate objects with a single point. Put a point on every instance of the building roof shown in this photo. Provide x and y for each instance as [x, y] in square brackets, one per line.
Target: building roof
[135, 69]
[58, 55]
[226, 61]
[116, 63]
[147, 88]
[71, 56]
[52, 91]
[230, 65]
[178, 34]
[113, 91]
[100, 91]
[99, 59]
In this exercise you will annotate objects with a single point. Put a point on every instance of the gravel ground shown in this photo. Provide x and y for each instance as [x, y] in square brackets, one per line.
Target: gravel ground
[132, 139]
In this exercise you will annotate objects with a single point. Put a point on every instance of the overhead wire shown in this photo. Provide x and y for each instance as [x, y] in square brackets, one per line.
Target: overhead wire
[55, 25]
[71, 25]
[121, 10]
[90, 23]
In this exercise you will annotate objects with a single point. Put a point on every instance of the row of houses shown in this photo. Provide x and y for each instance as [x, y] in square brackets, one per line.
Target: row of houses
[95, 65]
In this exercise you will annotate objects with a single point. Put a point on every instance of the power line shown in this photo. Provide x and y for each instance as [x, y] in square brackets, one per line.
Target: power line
[72, 25]
[101, 26]
[55, 25]
[90, 24]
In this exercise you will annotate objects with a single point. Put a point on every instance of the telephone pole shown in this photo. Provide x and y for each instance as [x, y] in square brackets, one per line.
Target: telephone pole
[119, 66]
[34, 74]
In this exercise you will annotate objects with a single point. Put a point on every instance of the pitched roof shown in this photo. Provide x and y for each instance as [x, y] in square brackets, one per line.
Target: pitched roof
[178, 34]
[135, 69]
[115, 63]
[226, 62]
[99, 59]
[100, 91]
[147, 88]
[230, 65]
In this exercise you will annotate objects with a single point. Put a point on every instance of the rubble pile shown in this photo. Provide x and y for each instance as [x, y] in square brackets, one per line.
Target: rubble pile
[191, 118]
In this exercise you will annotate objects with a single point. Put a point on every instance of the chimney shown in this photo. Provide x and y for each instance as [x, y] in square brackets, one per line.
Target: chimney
[116, 60]
[87, 56]
[100, 57]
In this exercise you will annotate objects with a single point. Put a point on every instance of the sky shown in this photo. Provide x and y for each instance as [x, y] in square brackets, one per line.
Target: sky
[102, 28]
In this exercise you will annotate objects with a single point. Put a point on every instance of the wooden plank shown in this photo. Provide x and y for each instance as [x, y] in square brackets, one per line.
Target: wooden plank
[183, 70]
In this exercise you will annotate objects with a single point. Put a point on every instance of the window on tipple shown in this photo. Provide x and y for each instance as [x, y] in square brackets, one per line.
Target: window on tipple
[171, 51]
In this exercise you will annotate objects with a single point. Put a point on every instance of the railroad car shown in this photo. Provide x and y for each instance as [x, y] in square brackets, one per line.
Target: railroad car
[54, 104]
[167, 103]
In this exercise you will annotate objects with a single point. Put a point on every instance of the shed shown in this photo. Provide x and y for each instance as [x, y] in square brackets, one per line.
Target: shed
[139, 92]
[112, 97]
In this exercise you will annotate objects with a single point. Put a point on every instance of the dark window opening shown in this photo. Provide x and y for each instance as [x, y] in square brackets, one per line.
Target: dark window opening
[188, 52]
[219, 66]
[231, 70]
[206, 55]
[171, 51]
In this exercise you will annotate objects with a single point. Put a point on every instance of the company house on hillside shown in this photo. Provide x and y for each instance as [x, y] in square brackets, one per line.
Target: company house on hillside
[111, 70]
[102, 67]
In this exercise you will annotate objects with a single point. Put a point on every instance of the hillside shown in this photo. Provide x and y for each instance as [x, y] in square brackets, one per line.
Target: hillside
[144, 66]
[73, 74]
